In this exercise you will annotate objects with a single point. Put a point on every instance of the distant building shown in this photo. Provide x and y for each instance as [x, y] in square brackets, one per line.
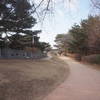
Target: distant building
[30, 52]
[12, 53]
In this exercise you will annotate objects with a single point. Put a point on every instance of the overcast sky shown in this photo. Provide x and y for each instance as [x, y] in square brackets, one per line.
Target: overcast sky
[65, 15]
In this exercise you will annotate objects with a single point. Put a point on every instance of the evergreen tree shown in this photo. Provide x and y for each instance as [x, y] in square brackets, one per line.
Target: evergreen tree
[79, 42]
[16, 18]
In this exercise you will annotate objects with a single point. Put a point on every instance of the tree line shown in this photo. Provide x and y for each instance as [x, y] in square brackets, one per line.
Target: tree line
[82, 39]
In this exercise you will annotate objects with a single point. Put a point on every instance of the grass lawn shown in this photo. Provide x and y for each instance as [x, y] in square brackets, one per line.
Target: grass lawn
[29, 79]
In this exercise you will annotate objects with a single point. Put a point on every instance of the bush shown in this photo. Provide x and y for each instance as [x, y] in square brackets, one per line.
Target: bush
[95, 59]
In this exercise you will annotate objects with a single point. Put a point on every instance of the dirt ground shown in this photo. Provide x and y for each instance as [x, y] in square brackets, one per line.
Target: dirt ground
[30, 79]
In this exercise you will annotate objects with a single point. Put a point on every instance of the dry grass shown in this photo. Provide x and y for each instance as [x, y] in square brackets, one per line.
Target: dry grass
[30, 80]
[93, 59]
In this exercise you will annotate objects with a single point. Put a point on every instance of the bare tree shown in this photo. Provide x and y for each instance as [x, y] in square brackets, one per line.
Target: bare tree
[43, 7]
[96, 3]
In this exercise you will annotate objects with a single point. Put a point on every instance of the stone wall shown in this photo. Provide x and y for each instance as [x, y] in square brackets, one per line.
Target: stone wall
[11, 53]
[0, 53]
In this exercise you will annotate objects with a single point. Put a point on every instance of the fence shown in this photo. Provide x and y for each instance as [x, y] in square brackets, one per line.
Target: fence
[11, 53]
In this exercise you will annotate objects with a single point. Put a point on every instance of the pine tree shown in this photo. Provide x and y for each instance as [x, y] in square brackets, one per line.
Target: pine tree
[79, 42]
[16, 18]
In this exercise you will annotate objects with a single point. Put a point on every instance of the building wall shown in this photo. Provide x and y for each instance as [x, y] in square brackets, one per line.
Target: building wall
[0, 53]
[11, 53]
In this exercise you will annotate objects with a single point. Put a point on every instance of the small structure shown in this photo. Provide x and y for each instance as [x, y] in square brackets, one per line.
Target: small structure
[11, 53]
[6, 52]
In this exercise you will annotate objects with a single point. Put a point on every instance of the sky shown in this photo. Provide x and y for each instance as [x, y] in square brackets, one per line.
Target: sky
[64, 17]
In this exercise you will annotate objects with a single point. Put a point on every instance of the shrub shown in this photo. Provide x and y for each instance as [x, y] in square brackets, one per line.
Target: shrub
[95, 59]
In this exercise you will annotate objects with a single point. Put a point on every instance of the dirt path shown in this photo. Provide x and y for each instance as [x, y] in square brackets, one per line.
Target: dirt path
[83, 83]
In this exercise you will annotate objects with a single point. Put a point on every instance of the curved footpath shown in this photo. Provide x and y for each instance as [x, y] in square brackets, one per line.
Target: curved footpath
[83, 83]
